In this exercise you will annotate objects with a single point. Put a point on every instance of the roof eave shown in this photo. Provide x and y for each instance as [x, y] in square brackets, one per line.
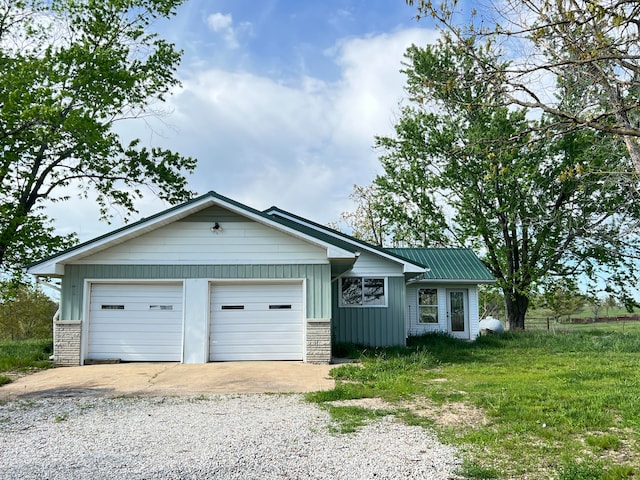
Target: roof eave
[457, 281]
[48, 269]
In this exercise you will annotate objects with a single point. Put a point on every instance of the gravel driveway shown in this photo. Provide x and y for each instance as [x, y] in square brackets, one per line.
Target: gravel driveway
[217, 437]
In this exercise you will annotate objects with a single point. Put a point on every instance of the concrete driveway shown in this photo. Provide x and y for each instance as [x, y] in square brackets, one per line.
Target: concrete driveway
[172, 379]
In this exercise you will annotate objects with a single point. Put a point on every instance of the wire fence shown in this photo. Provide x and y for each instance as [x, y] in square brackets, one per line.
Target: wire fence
[551, 324]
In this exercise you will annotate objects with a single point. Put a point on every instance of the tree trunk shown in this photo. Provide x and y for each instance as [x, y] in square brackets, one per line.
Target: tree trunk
[634, 151]
[517, 305]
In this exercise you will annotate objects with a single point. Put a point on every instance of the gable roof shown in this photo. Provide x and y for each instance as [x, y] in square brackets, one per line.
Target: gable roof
[448, 264]
[54, 264]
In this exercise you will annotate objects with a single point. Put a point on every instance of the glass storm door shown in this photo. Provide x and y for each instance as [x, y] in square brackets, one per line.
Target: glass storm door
[457, 313]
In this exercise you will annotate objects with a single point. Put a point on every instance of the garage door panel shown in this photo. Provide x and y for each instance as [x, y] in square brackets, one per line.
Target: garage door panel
[234, 308]
[250, 331]
[143, 310]
[233, 353]
[164, 335]
[257, 357]
[145, 344]
[122, 320]
[139, 349]
[136, 322]
[256, 321]
[266, 338]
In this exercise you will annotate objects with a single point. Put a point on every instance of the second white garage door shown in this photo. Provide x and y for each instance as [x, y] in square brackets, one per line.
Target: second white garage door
[256, 321]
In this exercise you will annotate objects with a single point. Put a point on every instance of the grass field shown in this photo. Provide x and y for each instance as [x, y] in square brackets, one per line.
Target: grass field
[528, 405]
[23, 356]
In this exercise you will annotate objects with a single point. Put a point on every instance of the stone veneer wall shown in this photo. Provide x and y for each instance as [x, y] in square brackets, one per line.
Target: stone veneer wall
[66, 342]
[318, 340]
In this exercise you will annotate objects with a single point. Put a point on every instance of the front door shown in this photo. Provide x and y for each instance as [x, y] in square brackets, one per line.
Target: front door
[457, 313]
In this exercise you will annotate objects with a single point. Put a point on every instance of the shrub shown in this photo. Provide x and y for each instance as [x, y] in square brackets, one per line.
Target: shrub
[25, 312]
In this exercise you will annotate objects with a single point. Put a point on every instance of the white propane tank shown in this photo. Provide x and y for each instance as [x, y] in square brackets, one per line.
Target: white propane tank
[491, 325]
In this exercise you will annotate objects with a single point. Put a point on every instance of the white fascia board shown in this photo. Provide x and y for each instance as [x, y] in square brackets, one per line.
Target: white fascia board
[339, 254]
[47, 269]
[408, 267]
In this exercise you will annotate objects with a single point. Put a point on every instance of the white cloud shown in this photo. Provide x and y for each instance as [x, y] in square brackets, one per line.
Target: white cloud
[219, 22]
[305, 145]
[223, 24]
[299, 146]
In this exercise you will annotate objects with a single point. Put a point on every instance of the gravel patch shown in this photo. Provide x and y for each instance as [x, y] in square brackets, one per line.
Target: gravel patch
[218, 437]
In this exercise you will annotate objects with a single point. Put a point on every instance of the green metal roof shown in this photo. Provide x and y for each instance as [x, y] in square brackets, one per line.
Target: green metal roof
[324, 237]
[329, 235]
[447, 263]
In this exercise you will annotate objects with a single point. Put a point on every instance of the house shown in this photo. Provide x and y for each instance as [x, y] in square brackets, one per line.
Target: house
[215, 280]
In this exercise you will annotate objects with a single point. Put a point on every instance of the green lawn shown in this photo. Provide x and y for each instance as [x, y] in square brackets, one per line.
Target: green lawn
[525, 405]
[23, 356]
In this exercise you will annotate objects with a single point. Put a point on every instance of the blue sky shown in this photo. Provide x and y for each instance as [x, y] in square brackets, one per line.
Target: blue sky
[280, 102]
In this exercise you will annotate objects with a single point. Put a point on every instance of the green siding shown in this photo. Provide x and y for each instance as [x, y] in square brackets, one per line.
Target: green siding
[215, 214]
[376, 327]
[318, 280]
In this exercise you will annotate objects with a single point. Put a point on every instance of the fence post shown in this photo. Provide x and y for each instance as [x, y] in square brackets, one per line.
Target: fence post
[548, 326]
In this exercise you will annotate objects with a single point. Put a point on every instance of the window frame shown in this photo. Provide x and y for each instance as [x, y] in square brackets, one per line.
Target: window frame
[435, 305]
[363, 278]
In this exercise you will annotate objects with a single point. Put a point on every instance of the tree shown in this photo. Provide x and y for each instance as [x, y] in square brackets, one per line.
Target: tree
[485, 176]
[25, 312]
[491, 302]
[610, 302]
[592, 41]
[70, 70]
[563, 299]
[596, 304]
[365, 222]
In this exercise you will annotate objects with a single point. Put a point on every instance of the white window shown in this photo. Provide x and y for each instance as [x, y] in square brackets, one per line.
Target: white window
[427, 305]
[363, 292]
[160, 307]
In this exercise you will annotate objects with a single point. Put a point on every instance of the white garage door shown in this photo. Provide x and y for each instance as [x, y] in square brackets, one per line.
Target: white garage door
[256, 321]
[135, 322]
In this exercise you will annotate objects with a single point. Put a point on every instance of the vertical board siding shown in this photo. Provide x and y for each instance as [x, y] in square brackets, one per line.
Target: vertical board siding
[318, 280]
[213, 214]
[376, 327]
